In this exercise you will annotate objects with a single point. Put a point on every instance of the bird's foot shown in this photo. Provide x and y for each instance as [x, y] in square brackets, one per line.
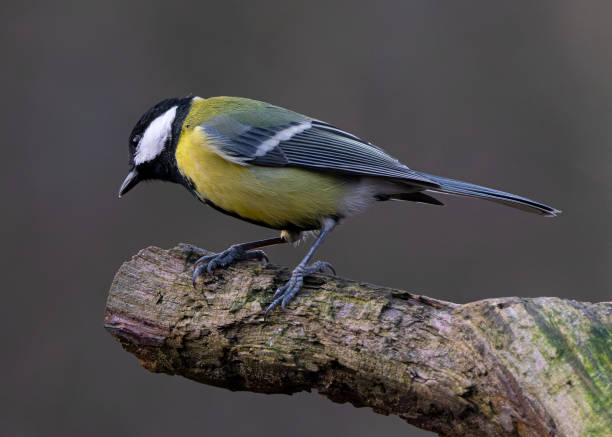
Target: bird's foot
[235, 253]
[285, 293]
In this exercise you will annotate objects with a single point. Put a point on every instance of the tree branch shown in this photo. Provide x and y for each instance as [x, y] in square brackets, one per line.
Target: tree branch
[497, 367]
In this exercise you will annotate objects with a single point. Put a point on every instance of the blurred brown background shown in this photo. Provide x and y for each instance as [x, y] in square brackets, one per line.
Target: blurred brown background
[515, 95]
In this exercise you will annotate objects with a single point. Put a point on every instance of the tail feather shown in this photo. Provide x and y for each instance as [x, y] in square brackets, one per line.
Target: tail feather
[419, 197]
[452, 186]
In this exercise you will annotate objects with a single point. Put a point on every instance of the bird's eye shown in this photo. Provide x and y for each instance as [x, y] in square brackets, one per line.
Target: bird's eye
[136, 139]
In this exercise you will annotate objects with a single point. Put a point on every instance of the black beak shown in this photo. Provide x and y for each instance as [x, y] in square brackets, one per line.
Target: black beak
[130, 182]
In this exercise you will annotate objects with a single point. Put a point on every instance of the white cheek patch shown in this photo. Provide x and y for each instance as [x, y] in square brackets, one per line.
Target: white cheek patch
[154, 137]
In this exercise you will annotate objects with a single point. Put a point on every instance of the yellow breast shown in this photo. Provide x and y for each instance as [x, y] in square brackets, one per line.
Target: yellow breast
[280, 197]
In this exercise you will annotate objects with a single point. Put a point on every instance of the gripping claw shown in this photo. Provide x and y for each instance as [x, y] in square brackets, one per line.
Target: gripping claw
[285, 293]
[235, 253]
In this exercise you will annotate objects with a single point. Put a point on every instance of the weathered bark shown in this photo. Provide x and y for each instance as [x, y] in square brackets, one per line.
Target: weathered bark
[497, 367]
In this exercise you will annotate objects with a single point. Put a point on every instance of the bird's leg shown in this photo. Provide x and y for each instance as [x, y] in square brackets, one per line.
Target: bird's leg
[285, 293]
[237, 252]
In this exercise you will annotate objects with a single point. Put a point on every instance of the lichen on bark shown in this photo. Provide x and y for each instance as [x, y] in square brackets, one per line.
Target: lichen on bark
[503, 367]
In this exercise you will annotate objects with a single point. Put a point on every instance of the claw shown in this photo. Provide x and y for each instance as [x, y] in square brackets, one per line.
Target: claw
[273, 305]
[214, 263]
[235, 253]
[204, 259]
[280, 290]
[259, 255]
[196, 273]
[286, 292]
[321, 266]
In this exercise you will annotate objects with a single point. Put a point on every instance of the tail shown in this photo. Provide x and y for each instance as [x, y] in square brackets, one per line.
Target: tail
[451, 186]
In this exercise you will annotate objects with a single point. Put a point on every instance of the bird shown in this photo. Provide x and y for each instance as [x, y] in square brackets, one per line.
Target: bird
[279, 169]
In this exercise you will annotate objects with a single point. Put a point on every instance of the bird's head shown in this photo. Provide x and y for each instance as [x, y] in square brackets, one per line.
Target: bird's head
[153, 141]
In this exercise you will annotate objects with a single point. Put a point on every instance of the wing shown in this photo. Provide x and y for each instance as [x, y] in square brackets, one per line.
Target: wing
[284, 138]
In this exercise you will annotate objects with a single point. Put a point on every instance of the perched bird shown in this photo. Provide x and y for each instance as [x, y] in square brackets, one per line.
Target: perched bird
[279, 169]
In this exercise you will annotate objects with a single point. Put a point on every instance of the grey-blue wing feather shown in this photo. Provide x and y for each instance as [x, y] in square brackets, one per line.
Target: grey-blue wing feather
[314, 144]
[328, 148]
[242, 142]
